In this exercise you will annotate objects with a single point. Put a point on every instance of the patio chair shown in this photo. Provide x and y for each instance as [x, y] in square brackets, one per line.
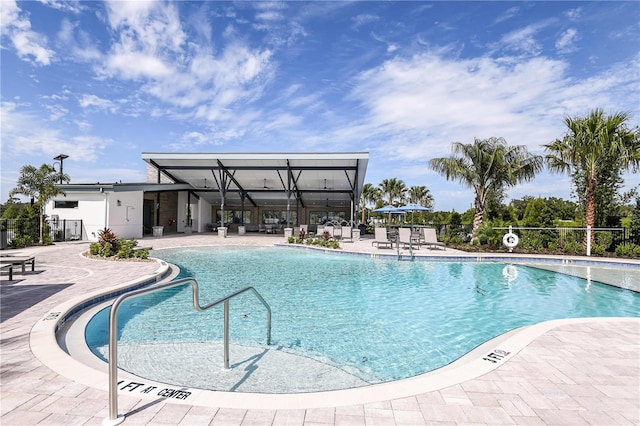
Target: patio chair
[430, 238]
[406, 237]
[337, 233]
[381, 238]
[347, 233]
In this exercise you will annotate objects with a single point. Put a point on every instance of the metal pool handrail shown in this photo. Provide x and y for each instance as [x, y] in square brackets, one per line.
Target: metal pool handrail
[113, 418]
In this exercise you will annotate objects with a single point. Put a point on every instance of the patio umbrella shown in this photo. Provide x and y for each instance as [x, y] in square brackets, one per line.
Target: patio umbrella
[412, 207]
[389, 209]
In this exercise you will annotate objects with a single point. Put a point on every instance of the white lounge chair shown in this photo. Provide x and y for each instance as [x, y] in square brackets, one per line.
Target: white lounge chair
[381, 238]
[346, 233]
[430, 238]
[406, 237]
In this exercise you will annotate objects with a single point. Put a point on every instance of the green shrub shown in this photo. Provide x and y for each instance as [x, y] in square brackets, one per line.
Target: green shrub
[290, 240]
[573, 247]
[142, 253]
[105, 250]
[94, 248]
[126, 248]
[110, 245]
[604, 239]
[628, 250]
[597, 249]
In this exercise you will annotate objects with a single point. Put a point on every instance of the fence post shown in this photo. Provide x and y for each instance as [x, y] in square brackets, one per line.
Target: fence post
[588, 240]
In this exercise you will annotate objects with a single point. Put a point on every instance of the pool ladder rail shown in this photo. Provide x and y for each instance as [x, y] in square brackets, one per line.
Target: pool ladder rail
[113, 418]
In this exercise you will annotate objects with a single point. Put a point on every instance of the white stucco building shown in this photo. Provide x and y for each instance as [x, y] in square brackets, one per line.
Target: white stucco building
[200, 192]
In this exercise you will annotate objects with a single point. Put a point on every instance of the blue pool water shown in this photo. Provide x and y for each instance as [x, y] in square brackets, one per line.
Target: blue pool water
[379, 320]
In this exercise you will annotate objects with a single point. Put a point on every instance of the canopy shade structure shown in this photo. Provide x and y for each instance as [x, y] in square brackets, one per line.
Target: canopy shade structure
[267, 179]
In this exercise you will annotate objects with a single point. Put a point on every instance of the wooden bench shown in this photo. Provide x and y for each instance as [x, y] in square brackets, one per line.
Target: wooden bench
[19, 260]
[9, 267]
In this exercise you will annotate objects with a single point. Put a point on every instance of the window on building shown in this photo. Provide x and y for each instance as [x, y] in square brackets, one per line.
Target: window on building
[320, 218]
[234, 216]
[65, 204]
[279, 217]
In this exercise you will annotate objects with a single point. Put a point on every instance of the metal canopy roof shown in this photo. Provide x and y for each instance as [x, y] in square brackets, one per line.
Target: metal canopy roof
[268, 179]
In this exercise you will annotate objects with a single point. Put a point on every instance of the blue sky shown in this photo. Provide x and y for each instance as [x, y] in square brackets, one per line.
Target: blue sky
[104, 81]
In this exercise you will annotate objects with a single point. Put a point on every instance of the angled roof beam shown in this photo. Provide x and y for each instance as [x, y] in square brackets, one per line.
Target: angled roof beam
[242, 190]
[164, 170]
[295, 183]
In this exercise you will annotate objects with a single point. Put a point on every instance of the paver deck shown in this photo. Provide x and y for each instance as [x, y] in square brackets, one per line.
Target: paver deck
[574, 373]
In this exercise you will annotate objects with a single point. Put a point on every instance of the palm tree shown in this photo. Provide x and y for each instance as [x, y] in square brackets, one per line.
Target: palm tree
[592, 145]
[392, 189]
[487, 165]
[40, 185]
[369, 195]
[421, 195]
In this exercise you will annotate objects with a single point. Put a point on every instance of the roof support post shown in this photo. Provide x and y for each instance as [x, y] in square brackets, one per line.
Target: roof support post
[288, 200]
[222, 188]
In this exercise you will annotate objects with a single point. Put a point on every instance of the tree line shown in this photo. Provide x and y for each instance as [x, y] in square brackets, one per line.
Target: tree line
[595, 151]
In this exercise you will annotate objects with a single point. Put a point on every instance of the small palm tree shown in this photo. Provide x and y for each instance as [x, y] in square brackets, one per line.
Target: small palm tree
[39, 184]
[369, 195]
[591, 144]
[391, 190]
[487, 165]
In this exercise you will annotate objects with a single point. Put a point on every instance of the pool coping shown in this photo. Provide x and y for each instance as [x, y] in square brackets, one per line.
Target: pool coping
[483, 359]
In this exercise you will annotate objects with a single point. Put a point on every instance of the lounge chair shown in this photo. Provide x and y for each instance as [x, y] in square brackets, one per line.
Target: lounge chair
[406, 237]
[337, 232]
[381, 239]
[430, 238]
[347, 233]
[19, 260]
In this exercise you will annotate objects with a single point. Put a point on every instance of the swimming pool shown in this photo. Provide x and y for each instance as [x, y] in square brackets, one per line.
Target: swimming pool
[376, 320]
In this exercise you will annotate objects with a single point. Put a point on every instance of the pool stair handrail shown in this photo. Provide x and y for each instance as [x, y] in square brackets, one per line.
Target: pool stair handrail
[113, 418]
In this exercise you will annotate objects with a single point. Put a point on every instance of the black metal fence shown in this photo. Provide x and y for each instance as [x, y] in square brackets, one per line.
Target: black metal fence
[25, 232]
[607, 238]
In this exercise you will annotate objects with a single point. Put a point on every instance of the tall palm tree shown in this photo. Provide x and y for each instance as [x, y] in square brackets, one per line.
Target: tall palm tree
[369, 195]
[391, 190]
[421, 195]
[591, 144]
[487, 165]
[39, 184]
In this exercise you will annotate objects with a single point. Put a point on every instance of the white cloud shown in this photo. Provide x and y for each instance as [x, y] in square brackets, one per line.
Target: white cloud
[67, 6]
[521, 41]
[21, 138]
[363, 19]
[573, 14]
[417, 106]
[507, 14]
[150, 42]
[77, 46]
[93, 101]
[30, 45]
[567, 41]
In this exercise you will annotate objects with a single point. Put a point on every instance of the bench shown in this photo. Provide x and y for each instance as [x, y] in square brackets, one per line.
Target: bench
[9, 267]
[19, 260]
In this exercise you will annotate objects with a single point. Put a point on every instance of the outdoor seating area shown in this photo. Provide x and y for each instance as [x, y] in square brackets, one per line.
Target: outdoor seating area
[19, 260]
[407, 237]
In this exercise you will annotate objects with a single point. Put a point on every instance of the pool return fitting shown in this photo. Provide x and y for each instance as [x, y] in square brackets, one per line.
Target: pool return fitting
[113, 418]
